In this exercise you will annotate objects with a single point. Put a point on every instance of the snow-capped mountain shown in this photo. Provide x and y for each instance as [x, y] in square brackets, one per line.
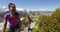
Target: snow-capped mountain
[4, 9]
[24, 12]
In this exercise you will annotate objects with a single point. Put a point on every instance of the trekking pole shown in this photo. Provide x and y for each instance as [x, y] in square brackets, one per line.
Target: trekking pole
[19, 25]
[28, 27]
[19, 28]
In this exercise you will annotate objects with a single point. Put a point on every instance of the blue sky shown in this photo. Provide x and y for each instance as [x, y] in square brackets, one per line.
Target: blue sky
[33, 4]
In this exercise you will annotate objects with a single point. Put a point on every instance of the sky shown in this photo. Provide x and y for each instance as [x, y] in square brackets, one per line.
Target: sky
[33, 4]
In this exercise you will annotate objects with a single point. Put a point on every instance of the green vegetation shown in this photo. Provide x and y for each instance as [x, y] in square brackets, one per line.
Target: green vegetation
[48, 23]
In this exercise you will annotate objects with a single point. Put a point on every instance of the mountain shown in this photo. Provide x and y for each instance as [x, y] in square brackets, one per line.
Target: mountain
[41, 12]
[24, 12]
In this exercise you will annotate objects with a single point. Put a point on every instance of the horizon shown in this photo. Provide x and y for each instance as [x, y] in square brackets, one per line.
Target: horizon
[22, 9]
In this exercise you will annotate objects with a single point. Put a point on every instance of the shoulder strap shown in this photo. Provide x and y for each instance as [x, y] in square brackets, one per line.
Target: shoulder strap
[8, 17]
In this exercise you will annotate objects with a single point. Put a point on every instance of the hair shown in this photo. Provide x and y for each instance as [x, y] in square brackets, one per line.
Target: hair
[11, 4]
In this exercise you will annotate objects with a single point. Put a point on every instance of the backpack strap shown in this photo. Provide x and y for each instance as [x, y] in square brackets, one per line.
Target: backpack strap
[18, 16]
[8, 17]
[19, 22]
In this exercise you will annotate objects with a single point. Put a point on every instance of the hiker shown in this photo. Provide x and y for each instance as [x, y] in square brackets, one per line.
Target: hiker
[13, 17]
[28, 21]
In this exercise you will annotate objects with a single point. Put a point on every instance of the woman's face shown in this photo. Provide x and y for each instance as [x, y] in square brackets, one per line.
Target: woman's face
[12, 8]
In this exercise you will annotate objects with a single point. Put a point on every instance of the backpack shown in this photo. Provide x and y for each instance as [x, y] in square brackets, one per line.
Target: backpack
[28, 20]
